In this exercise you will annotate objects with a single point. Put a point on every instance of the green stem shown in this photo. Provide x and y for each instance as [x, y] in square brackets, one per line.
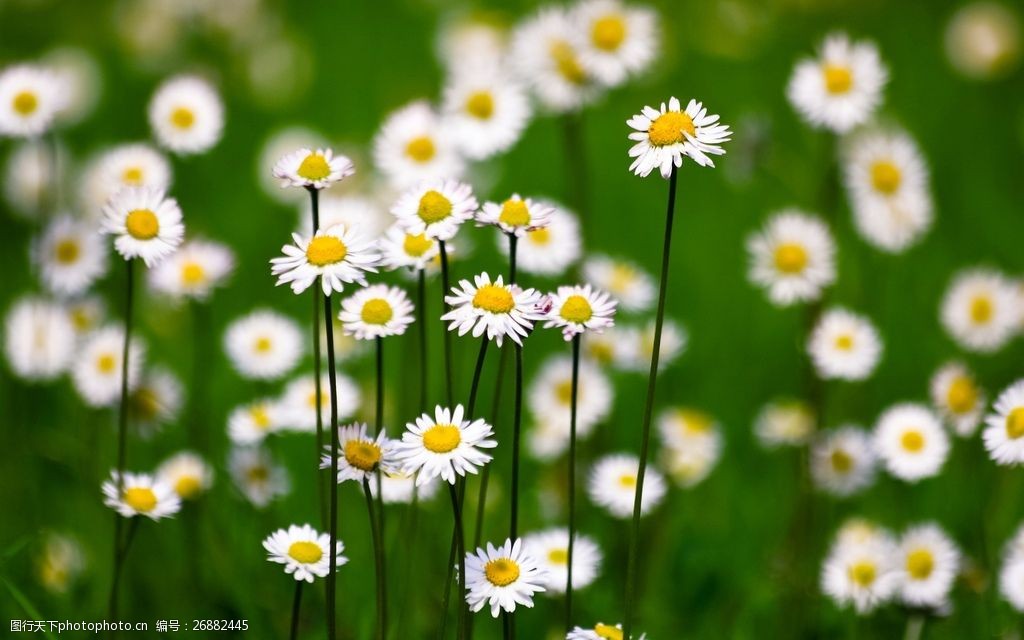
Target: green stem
[120, 555]
[296, 603]
[572, 480]
[378, 561]
[485, 475]
[517, 416]
[314, 200]
[445, 284]
[421, 299]
[915, 627]
[332, 576]
[122, 430]
[461, 551]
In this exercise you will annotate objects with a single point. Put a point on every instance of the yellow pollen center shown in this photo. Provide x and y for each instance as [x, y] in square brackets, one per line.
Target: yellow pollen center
[420, 149]
[608, 632]
[566, 62]
[494, 299]
[142, 224]
[141, 499]
[263, 344]
[257, 474]
[314, 167]
[480, 105]
[362, 454]
[145, 403]
[981, 309]
[920, 564]
[862, 573]
[132, 175]
[962, 395]
[260, 417]
[608, 32]
[838, 78]
[434, 207]
[844, 342]
[442, 438]
[885, 177]
[192, 273]
[106, 363]
[563, 391]
[841, 461]
[377, 311]
[627, 480]
[417, 245]
[576, 309]
[669, 127]
[695, 421]
[514, 213]
[1015, 424]
[790, 258]
[25, 103]
[501, 572]
[183, 118]
[912, 440]
[66, 251]
[558, 556]
[305, 552]
[539, 236]
[188, 487]
[325, 250]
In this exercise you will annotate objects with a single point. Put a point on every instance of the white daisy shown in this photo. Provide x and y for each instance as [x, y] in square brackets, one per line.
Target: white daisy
[612, 484]
[304, 552]
[958, 398]
[146, 223]
[298, 404]
[187, 473]
[121, 167]
[363, 212]
[550, 250]
[29, 176]
[843, 461]
[186, 115]
[86, 313]
[409, 250]
[910, 441]
[639, 348]
[435, 208]
[550, 549]
[413, 145]
[31, 97]
[140, 495]
[691, 463]
[312, 169]
[252, 422]
[857, 531]
[80, 76]
[844, 345]
[576, 309]
[546, 52]
[501, 310]
[787, 422]
[515, 215]
[60, 563]
[600, 631]
[608, 348]
[619, 40]
[472, 42]
[1011, 575]
[39, 339]
[445, 446]
[361, 455]
[632, 287]
[550, 396]
[337, 255]
[263, 344]
[399, 487]
[376, 311]
[257, 475]
[276, 145]
[931, 563]
[864, 574]
[155, 400]
[792, 257]
[980, 310]
[96, 372]
[842, 87]
[502, 577]
[1004, 435]
[663, 137]
[194, 271]
[487, 112]
[983, 40]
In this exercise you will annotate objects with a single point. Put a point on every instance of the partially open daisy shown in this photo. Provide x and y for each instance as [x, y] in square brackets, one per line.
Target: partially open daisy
[785, 422]
[146, 224]
[263, 344]
[435, 208]
[194, 271]
[958, 398]
[186, 115]
[257, 476]
[445, 446]
[399, 249]
[305, 553]
[140, 495]
[632, 287]
[911, 442]
[842, 87]
[121, 167]
[155, 401]
[575, 309]
[663, 137]
[39, 339]
[844, 345]
[1004, 435]
[931, 563]
[500, 310]
[516, 215]
[299, 406]
[546, 51]
[376, 311]
[550, 549]
[980, 310]
[550, 395]
[612, 484]
[312, 169]
[599, 631]
[862, 573]
[502, 577]
[251, 423]
[30, 99]
[96, 373]
[487, 112]
[361, 455]
[337, 255]
[413, 145]
[188, 474]
[792, 257]
[619, 40]
[843, 461]
[550, 250]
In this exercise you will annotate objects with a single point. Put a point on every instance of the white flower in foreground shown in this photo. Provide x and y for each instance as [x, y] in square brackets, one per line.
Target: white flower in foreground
[663, 137]
[337, 255]
[785, 422]
[612, 484]
[843, 461]
[550, 395]
[39, 339]
[154, 401]
[576, 309]
[792, 257]
[251, 423]
[600, 631]
[983, 40]
[931, 563]
[361, 455]
[957, 396]
[140, 495]
[96, 373]
[413, 145]
[550, 250]
[503, 578]
[194, 271]
[844, 346]
[618, 40]
[980, 310]
[910, 441]
[550, 549]
[186, 115]
[376, 311]
[516, 215]
[122, 167]
[435, 208]
[632, 287]
[399, 249]
[842, 87]
[445, 446]
[298, 404]
[257, 476]
[187, 473]
[146, 224]
[30, 99]
[500, 310]
[863, 573]
[263, 344]
[546, 53]
[1004, 435]
[487, 112]
[312, 169]
[275, 146]
[304, 552]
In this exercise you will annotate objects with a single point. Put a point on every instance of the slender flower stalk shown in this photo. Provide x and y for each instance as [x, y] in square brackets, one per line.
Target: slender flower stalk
[378, 559]
[120, 554]
[572, 479]
[296, 604]
[333, 517]
[485, 475]
[915, 627]
[378, 546]
[460, 546]
[517, 413]
[314, 201]
[421, 322]
[575, 159]
[445, 287]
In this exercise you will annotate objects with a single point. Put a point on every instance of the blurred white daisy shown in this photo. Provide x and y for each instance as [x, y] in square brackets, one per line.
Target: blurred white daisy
[263, 344]
[792, 257]
[958, 398]
[29, 176]
[472, 42]
[550, 250]
[632, 287]
[96, 372]
[931, 563]
[146, 224]
[690, 463]
[39, 339]
[910, 441]
[501, 310]
[251, 423]
[856, 531]
[980, 310]
[786, 422]
[576, 309]
[361, 455]
[353, 210]
[376, 311]
[639, 346]
[186, 115]
[298, 404]
[187, 473]
[399, 487]
[502, 577]
[619, 40]
[692, 429]
[841, 87]
[1004, 435]
[60, 562]
[120, 167]
[435, 208]
[844, 345]
[31, 97]
[194, 270]
[337, 255]
[400, 248]
[257, 476]
[863, 573]
[612, 484]
[305, 553]
[155, 400]
[1011, 574]
[86, 313]
[550, 395]
[80, 76]
[312, 169]
[663, 137]
[516, 215]
[550, 549]
[413, 145]
[445, 446]
[546, 50]
[843, 461]
[600, 631]
[983, 40]
[487, 111]
[141, 495]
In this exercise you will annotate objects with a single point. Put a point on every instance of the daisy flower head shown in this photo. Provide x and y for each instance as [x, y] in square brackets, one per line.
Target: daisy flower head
[472, 42]
[980, 310]
[361, 455]
[958, 398]
[79, 73]
[376, 311]
[155, 400]
[187, 473]
[122, 167]
[257, 476]
[841, 87]
[186, 115]
[414, 144]
[39, 339]
[983, 41]
[435, 208]
[501, 310]
[399, 487]
[275, 146]
[931, 563]
[631, 286]
[140, 494]
[86, 313]
[1011, 575]
[663, 137]
[444, 445]
[338, 255]
[549, 250]
[305, 553]
[683, 427]
[843, 461]
[312, 169]
[690, 463]
[60, 563]
[579, 308]
[401, 249]
[619, 40]
[864, 573]
[792, 257]
[31, 97]
[516, 215]
[502, 577]
[844, 346]
[550, 550]
[599, 631]
[96, 372]
[194, 271]
[251, 423]
[636, 355]
[550, 395]
[612, 484]
[546, 52]
[263, 345]
[910, 441]
[785, 422]
[1004, 433]
[28, 176]
[146, 224]
[857, 531]
[299, 406]
[487, 111]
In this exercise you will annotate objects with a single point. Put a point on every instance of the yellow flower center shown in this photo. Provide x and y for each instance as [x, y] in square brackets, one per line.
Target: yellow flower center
[576, 309]
[417, 245]
[257, 474]
[842, 463]
[442, 438]
[1015, 424]
[962, 395]
[314, 167]
[434, 207]
[558, 556]
[566, 62]
[480, 105]
[920, 564]
[183, 118]
[886, 177]
[377, 311]
[141, 499]
[695, 421]
[912, 440]
[669, 127]
[188, 487]
[362, 454]
[325, 250]
[305, 552]
[420, 149]
[608, 632]
[263, 344]
[132, 175]
[25, 103]
[862, 573]
[608, 32]
[106, 363]
[142, 224]
[981, 309]
[838, 78]
[563, 391]
[66, 251]
[627, 480]
[790, 258]
[192, 273]
[145, 403]
[501, 572]
[260, 417]
[844, 342]
[514, 213]
[539, 236]
[494, 299]
[623, 276]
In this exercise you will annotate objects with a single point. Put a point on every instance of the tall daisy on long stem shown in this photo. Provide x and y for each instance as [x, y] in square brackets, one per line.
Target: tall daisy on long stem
[663, 137]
